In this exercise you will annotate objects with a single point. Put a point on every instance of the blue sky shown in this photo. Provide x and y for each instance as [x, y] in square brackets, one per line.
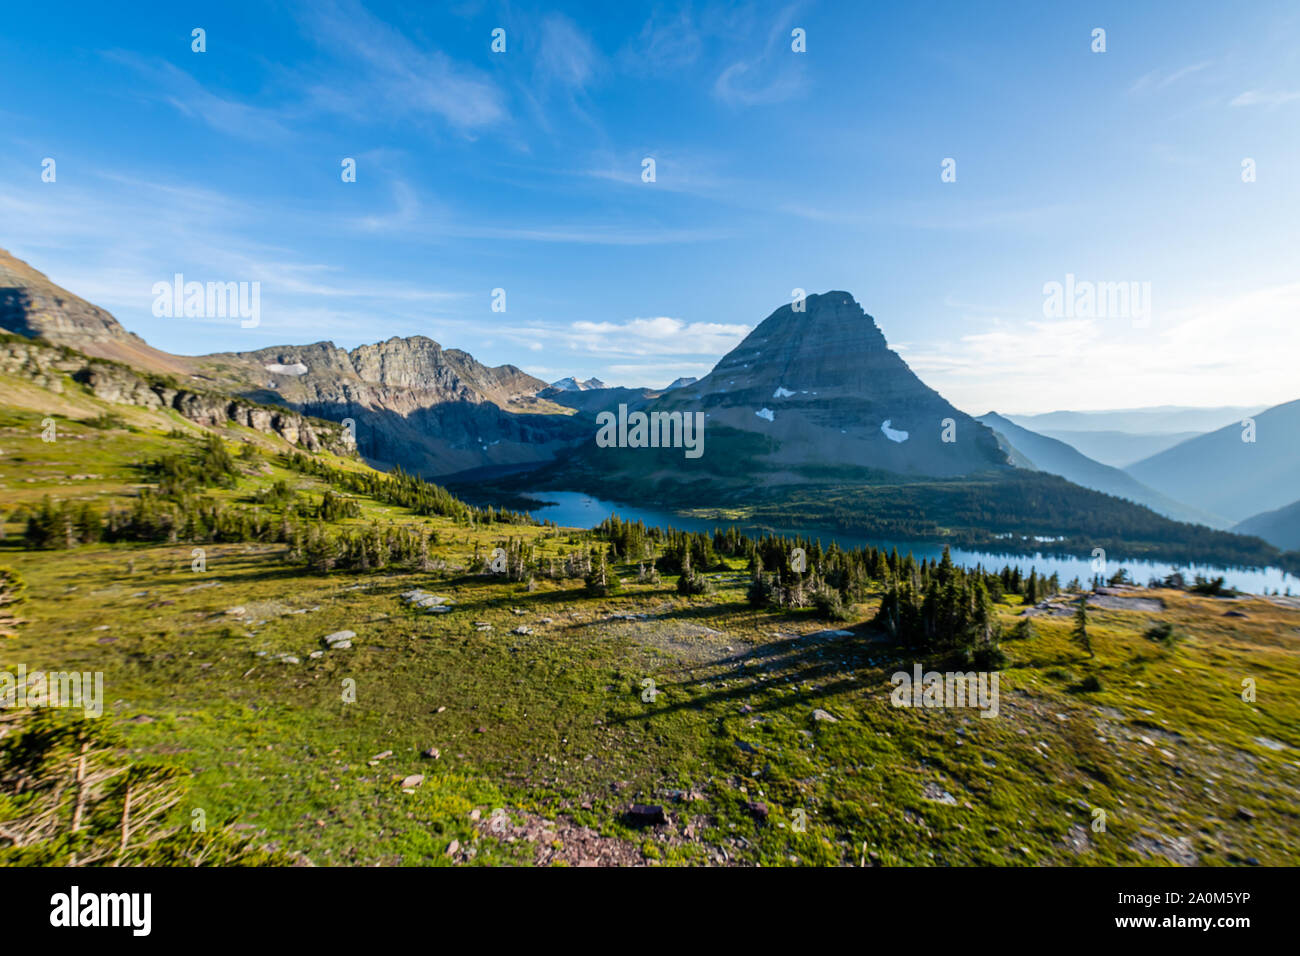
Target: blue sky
[775, 170]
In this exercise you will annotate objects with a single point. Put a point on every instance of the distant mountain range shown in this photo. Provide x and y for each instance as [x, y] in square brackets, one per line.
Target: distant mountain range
[1115, 448]
[1160, 419]
[812, 418]
[1125, 436]
[1044, 453]
[1236, 471]
[571, 384]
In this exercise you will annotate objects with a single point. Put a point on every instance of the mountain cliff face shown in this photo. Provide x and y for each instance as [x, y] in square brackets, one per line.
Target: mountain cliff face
[432, 410]
[823, 388]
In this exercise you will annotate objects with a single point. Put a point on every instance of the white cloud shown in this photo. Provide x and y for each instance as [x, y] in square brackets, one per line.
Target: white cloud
[657, 336]
[1230, 350]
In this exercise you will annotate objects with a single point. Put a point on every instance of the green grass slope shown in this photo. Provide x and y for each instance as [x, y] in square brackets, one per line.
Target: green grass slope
[551, 711]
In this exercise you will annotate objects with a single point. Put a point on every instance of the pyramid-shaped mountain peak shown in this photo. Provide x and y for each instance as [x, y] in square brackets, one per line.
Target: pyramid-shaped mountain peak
[819, 379]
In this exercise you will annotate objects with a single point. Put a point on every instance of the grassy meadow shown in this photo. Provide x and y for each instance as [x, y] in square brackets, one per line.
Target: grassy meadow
[536, 715]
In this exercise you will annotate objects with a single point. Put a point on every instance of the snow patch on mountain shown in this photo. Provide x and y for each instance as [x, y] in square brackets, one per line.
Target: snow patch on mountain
[297, 368]
[766, 414]
[893, 434]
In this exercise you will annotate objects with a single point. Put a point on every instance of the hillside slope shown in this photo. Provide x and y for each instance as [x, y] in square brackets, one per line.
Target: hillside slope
[1280, 527]
[1058, 458]
[502, 719]
[33, 306]
[1221, 473]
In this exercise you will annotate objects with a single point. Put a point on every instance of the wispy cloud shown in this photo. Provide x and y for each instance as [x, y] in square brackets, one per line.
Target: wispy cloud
[205, 235]
[1162, 79]
[389, 74]
[566, 57]
[171, 85]
[666, 43]
[1265, 98]
[774, 74]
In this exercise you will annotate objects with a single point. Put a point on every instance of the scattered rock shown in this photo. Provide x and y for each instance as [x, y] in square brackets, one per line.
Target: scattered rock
[820, 714]
[758, 810]
[936, 794]
[339, 640]
[413, 781]
[435, 603]
[433, 753]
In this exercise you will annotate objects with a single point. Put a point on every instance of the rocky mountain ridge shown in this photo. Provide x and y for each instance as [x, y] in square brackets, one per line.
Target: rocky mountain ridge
[49, 366]
[432, 410]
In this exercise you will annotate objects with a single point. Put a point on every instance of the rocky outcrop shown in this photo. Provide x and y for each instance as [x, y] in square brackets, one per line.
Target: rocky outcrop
[52, 367]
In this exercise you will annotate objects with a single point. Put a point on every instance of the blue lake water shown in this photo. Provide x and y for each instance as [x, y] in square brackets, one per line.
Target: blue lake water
[572, 509]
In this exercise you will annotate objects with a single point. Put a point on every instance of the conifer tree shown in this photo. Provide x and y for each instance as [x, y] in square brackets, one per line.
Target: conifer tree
[1080, 632]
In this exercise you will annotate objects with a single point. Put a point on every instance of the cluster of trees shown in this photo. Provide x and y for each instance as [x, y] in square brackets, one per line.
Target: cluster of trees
[171, 518]
[405, 491]
[517, 560]
[210, 465]
[62, 524]
[369, 548]
[944, 608]
[177, 510]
